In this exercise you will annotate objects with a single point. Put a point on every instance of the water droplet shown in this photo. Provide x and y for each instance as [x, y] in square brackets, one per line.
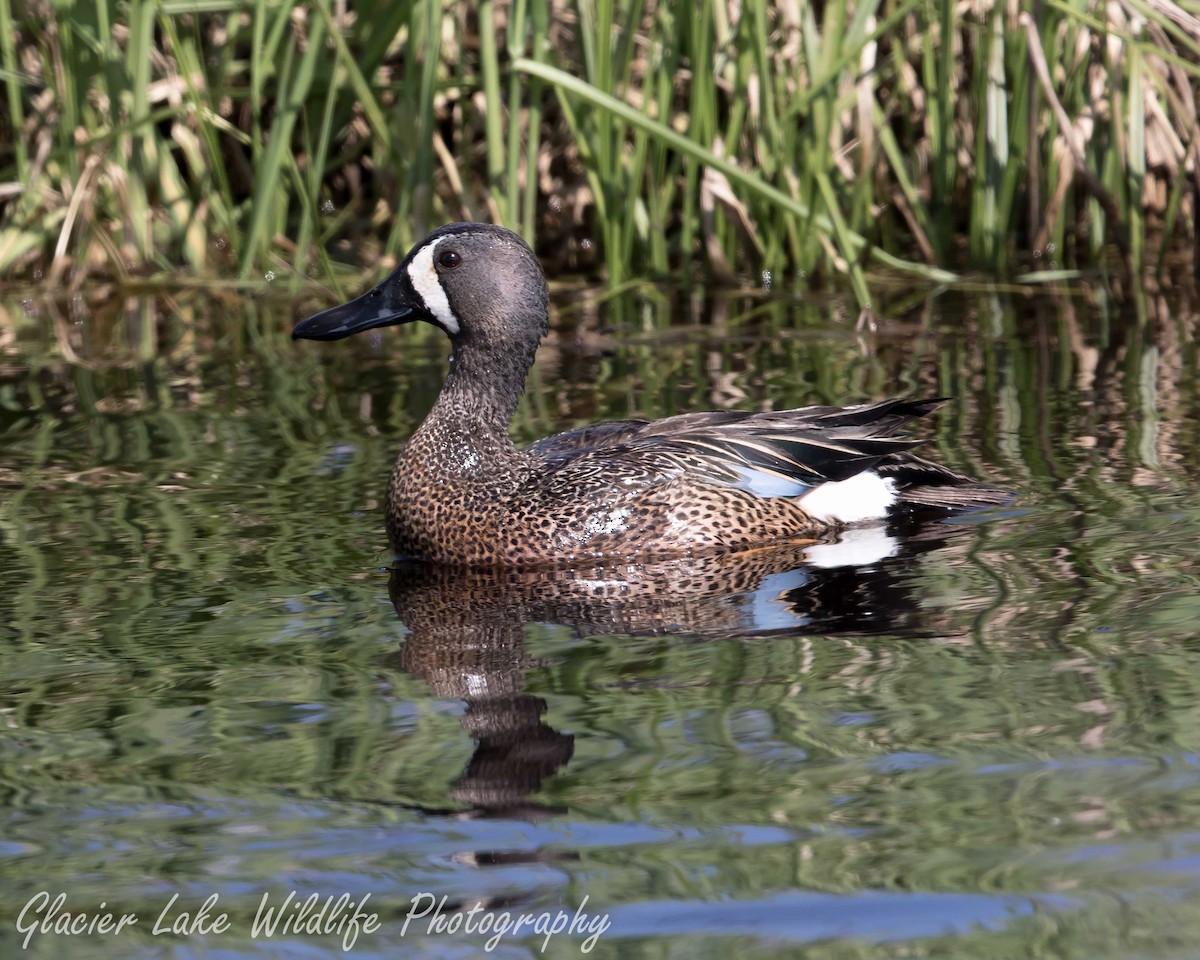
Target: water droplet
[37, 274]
[585, 244]
[766, 279]
[29, 307]
[220, 243]
[1037, 254]
[269, 275]
[803, 274]
[327, 207]
[1049, 248]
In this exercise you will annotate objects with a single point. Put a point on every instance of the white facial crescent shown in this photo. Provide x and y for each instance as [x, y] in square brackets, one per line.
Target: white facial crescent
[428, 285]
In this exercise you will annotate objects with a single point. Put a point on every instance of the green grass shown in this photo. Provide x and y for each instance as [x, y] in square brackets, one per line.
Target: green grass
[254, 138]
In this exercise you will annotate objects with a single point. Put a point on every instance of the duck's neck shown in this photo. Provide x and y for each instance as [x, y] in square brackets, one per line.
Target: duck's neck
[480, 394]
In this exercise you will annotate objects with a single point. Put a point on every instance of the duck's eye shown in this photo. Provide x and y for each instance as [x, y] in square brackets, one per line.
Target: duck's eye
[449, 259]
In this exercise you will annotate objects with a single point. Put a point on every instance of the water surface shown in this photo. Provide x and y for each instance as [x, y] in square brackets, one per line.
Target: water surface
[983, 742]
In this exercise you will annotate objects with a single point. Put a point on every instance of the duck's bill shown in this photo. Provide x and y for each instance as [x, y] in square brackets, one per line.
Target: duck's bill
[382, 306]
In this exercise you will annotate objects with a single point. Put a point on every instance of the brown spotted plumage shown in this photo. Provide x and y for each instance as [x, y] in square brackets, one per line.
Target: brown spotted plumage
[462, 493]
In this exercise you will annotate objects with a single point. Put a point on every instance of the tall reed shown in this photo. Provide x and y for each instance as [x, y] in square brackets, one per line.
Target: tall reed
[256, 138]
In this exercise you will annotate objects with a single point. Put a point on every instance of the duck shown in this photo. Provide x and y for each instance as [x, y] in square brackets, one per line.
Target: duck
[463, 494]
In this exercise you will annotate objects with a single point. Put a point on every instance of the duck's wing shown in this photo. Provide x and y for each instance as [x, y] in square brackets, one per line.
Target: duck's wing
[608, 433]
[883, 418]
[870, 420]
[786, 452]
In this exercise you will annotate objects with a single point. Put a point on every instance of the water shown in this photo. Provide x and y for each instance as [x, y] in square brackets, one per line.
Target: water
[985, 743]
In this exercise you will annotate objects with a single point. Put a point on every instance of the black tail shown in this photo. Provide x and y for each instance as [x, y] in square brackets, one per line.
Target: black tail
[926, 484]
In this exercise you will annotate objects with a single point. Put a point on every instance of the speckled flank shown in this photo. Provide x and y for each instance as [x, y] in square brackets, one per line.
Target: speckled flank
[595, 506]
[699, 483]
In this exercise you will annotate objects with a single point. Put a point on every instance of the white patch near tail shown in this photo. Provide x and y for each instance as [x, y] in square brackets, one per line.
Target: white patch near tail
[428, 285]
[865, 496]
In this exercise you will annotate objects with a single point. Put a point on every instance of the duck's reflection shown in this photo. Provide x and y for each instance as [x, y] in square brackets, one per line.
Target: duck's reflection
[467, 631]
[466, 642]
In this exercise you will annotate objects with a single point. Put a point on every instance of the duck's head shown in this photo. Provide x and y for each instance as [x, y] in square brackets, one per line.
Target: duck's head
[479, 283]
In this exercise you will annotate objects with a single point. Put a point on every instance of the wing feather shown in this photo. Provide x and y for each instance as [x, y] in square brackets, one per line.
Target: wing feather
[790, 449]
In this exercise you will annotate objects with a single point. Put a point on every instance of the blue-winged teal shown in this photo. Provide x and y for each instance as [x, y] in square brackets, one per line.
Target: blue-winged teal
[461, 492]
